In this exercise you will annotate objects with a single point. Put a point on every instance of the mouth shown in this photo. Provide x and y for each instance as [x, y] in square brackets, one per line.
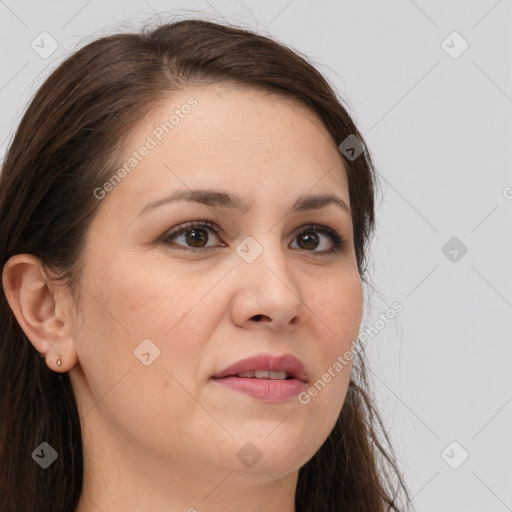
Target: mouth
[264, 374]
[266, 366]
[265, 377]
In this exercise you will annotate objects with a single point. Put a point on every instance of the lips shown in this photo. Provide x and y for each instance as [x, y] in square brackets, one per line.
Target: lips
[266, 363]
[265, 377]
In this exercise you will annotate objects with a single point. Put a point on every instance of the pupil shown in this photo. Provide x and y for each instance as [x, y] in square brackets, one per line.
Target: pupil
[310, 237]
[196, 242]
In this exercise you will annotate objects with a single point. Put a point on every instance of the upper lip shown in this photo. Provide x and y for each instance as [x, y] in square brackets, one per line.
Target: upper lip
[266, 362]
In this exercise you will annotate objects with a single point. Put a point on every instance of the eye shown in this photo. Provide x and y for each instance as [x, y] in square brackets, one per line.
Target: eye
[195, 237]
[194, 233]
[309, 237]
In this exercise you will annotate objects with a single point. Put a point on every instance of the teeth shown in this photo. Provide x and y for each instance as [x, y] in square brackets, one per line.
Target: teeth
[278, 375]
[245, 374]
[264, 374]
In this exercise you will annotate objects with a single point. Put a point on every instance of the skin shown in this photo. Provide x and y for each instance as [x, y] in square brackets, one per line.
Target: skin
[164, 437]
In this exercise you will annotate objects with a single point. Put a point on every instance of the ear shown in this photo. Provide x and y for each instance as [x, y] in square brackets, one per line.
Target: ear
[38, 307]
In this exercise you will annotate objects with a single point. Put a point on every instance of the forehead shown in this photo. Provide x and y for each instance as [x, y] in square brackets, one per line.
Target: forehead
[255, 142]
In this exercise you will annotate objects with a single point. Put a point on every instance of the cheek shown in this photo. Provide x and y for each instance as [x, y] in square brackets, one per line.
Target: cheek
[339, 312]
[177, 311]
[338, 309]
[146, 300]
[118, 314]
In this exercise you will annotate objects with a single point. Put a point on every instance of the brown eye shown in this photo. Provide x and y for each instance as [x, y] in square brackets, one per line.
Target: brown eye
[309, 239]
[196, 237]
[193, 235]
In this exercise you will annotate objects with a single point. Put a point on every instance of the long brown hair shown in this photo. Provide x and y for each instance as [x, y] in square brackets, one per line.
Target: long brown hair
[66, 146]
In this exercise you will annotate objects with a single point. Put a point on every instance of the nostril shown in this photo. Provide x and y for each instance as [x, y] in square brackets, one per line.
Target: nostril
[258, 317]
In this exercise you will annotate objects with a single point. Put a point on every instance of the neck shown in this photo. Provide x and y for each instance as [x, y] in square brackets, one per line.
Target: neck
[116, 478]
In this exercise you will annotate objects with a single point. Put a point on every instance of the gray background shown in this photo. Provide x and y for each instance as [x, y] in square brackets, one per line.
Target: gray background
[439, 128]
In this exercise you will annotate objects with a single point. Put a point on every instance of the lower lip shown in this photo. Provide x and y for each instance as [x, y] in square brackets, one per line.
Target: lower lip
[270, 390]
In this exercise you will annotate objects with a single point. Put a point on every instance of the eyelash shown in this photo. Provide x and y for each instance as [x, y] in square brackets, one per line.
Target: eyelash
[338, 241]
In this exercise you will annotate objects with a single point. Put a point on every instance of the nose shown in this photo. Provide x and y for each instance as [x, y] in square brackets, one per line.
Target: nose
[269, 294]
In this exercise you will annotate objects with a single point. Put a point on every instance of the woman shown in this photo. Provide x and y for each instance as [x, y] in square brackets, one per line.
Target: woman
[186, 215]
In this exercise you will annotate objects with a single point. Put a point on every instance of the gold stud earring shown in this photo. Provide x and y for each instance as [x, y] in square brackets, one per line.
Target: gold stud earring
[59, 360]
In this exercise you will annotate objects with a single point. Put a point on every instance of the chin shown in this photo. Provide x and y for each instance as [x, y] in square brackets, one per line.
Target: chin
[267, 458]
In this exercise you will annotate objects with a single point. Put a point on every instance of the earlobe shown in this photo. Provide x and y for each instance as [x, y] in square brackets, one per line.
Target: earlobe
[32, 299]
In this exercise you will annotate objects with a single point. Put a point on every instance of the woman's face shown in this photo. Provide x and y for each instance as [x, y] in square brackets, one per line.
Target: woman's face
[165, 311]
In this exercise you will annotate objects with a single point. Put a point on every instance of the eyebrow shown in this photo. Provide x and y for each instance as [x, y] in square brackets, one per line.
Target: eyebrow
[221, 199]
